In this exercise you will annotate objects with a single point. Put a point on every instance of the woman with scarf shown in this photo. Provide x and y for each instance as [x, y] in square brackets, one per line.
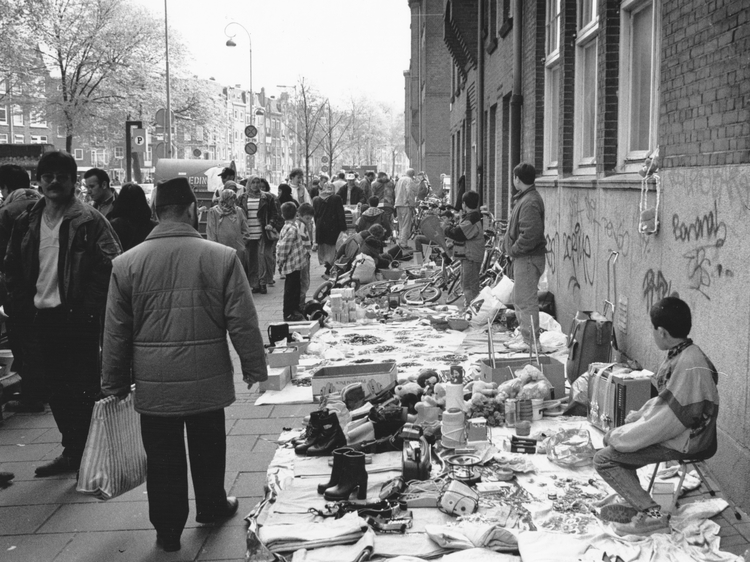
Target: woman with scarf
[226, 224]
[131, 216]
[330, 221]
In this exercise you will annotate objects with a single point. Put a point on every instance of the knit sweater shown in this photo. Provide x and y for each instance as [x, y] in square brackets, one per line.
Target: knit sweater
[683, 416]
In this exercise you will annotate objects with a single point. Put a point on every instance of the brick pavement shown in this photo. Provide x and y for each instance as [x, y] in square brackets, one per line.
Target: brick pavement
[45, 519]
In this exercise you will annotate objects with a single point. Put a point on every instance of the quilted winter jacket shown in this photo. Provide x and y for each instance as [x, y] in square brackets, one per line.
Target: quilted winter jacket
[88, 244]
[172, 300]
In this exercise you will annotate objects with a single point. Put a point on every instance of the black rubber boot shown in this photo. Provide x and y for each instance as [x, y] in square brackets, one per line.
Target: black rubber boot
[353, 477]
[312, 433]
[338, 464]
[331, 437]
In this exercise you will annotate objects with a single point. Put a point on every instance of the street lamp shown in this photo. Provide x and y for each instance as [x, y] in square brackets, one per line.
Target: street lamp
[231, 43]
[296, 123]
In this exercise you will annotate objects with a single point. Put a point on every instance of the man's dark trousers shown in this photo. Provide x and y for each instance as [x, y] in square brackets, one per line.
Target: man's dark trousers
[166, 476]
[69, 341]
[292, 285]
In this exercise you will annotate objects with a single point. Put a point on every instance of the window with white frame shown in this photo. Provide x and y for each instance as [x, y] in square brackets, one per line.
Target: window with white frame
[119, 152]
[3, 115]
[552, 75]
[60, 131]
[199, 133]
[149, 155]
[584, 150]
[639, 81]
[19, 139]
[17, 116]
[37, 119]
[78, 154]
[188, 136]
[3, 87]
[38, 139]
[3, 138]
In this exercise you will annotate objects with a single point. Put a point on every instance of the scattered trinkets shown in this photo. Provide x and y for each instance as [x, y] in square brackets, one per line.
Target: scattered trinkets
[362, 339]
[383, 349]
[362, 361]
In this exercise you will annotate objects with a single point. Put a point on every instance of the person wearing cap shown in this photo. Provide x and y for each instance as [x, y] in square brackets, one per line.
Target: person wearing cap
[227, 175]
[57, 268]
[173, 299]
[351, 193]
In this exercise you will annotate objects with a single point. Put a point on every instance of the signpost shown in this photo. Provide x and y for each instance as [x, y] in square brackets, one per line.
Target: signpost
[138, 137]
[131, 152]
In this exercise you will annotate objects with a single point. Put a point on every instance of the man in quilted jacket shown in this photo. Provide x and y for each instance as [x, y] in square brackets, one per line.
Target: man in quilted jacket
[172, 301]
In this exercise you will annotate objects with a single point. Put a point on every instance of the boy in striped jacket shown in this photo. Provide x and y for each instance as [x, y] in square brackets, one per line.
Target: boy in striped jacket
[678, 423]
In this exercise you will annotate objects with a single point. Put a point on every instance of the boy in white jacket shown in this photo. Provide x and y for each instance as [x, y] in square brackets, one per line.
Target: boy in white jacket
[679, 423]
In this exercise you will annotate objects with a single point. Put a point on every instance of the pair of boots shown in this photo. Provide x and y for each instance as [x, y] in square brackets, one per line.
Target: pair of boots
[323, 435]
[348, 474]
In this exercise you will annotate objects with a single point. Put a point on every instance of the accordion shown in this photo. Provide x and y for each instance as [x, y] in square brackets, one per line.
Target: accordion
[613, 392]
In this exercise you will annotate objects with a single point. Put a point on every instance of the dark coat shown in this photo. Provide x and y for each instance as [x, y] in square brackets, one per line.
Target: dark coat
[130, 232]
[358, 196]
[330, 219]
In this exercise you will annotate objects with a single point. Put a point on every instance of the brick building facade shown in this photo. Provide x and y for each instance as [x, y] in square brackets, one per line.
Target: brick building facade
[603, 85]
[427, 87]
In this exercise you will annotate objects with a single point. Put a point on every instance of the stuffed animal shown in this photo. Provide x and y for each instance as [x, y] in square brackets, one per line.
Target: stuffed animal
[437, 398]
[408, 395]
[427, 379]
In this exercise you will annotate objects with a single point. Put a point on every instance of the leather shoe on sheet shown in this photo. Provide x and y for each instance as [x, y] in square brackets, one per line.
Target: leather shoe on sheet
[643, 525]
[60, 465]
[167, 543]
[229, 510]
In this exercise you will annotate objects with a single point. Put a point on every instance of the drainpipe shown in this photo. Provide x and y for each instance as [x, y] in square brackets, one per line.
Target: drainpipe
[516, 100]
[480, 102]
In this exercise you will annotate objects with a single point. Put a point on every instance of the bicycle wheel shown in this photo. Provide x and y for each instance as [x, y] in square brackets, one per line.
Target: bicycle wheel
[455, 288]
[322, 292]
[377, 289]
[420, 295]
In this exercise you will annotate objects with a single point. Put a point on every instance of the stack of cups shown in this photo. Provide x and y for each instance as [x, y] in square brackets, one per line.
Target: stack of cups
[452, 428]
[536, 407]
[525, 410]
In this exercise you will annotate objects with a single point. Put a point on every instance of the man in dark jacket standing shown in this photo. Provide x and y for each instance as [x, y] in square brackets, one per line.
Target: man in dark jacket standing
[172, 300]
[351, 193]
[526, 245]
[57, 265]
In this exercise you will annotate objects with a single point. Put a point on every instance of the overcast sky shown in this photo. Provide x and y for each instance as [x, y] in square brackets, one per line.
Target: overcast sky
[339, 46]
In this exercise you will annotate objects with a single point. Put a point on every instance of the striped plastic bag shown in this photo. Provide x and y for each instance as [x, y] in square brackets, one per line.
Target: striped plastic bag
[114, 461]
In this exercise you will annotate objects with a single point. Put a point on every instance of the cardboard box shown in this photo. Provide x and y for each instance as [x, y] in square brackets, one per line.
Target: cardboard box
[553, 369]
[374, 377]
[278, 378]
[305, 328]
[282, 356]
[6, 361]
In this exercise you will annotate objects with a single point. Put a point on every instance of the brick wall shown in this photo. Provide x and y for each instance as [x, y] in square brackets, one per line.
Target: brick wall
[608, 62]
[705, 83]
[567, 89]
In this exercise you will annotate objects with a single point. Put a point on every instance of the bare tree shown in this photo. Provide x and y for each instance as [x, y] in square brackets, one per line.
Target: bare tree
[98, 48]
[335, 127]
[310, 111]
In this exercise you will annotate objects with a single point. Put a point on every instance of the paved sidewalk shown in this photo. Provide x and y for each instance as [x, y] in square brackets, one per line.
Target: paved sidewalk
[45, 519]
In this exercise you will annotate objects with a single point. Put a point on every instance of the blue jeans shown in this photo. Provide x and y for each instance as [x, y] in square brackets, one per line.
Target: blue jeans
[619, 471]
[470, 279]
[304, 284]
[527, 270]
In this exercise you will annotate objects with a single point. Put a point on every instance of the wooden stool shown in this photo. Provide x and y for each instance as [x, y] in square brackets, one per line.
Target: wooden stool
[683, 471]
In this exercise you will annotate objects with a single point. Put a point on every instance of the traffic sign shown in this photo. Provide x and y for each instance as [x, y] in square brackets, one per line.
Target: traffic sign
[138, 144]
[250, 131]
[324, 159]
[324, 168]
[251, 148]
[197, 152]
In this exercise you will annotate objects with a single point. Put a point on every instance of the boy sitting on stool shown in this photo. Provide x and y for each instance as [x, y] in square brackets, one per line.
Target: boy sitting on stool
[679, 423]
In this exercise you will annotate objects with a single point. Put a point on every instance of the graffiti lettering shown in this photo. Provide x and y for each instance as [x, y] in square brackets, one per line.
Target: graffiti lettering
[655, 287]
[706, 227]
[551, 256]
[699, 270]
[578, 252]
[618, 234]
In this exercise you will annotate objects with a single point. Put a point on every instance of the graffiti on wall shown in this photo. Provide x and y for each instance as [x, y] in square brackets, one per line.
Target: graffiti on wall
[707, 233]
[578, 253]
[655, 287]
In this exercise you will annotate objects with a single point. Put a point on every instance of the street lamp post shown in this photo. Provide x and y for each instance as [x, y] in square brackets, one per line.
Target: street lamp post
[296, 123]
[231, 43]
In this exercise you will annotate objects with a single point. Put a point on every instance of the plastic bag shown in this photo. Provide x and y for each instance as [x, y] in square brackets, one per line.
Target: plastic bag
[541, 389]
[364, 269]
[484, 307]
[570, 447]
[503, 291]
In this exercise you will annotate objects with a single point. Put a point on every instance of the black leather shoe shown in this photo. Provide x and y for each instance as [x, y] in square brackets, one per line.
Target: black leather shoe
[6, 477]
[263, 290]
[256, 290]
[60, 465]
[167, 543]
[230, 509]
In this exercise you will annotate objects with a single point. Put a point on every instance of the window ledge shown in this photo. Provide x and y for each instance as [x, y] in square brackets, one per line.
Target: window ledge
[491, 45]
[505, 28]
[618, 181]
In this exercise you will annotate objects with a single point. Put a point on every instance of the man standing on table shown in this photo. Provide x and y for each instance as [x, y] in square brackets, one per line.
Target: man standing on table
[526, 245]
[57, 269]
[406, 201]
[172, 301]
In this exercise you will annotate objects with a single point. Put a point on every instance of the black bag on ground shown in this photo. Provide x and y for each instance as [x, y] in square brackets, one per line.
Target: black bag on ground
[589, 341]
[547, 303]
